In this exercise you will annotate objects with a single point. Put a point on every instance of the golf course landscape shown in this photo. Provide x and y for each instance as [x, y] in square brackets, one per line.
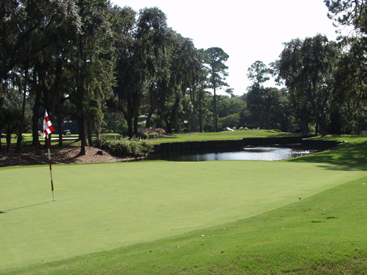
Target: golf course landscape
[300, 216]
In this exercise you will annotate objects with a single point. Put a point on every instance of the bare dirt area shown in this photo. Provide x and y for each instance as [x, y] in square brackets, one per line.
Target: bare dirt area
[59, 155]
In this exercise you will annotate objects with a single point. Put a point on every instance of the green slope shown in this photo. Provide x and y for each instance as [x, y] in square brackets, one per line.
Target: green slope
[102, 207]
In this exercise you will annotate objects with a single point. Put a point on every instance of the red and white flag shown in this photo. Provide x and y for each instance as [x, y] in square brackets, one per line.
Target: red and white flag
[47, 126]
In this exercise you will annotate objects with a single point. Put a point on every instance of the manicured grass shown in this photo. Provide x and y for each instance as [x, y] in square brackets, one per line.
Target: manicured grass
[223, 217]
[106, 206]
[225, 135]
[321, 234]
[207, 136]
[27, 140]
[351, 155]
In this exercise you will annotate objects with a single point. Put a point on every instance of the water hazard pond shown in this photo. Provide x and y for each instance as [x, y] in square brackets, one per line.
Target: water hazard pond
[247, 153]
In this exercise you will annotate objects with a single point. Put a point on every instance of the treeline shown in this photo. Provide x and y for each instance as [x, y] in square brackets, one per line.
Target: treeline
[105, 66]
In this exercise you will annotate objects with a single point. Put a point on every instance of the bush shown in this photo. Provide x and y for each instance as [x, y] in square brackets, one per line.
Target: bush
[125, 147]
[153, 135]
[143, 135]
[150, 133]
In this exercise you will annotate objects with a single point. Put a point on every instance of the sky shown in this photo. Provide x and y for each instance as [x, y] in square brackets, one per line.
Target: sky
[247, 30]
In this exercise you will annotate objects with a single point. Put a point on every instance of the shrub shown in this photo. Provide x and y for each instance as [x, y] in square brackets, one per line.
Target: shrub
[143, 135]
[150, 133]
[126, 147]
[153, 135]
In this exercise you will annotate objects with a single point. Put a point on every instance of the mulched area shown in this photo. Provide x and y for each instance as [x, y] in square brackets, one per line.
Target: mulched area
[71, 154]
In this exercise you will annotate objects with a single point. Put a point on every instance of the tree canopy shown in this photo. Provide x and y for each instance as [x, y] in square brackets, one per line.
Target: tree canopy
[107, 68]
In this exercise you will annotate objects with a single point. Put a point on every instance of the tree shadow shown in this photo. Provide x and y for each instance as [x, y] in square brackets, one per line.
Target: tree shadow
[349, 156]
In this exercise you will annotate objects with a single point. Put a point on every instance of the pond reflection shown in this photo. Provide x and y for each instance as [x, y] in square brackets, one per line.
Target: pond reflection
[248, 153]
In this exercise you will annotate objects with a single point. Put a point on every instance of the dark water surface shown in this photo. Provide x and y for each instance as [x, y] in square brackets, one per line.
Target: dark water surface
[248, 153]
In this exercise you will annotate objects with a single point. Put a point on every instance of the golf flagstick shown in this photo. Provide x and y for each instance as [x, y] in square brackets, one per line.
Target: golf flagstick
[49, 161]
[47, 130]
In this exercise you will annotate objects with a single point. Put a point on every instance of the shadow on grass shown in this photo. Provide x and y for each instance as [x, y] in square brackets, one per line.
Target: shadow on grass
[26, 206]
[349, 156]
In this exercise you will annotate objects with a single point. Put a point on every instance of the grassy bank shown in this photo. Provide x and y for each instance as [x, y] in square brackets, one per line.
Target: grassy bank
[224, 217]
[225, 135]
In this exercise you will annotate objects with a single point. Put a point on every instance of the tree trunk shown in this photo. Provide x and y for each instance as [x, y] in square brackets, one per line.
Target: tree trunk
[1, 135]
[149, 118]
[20, 132]
[129, 119]
[35, 119]
[98, 132]
[59, 125]
[174, 116]
[89, 131]
[215, 111]
[193, 116]
[136, 125]
[323, 130]
[200, 116]
[316, 128]
[151, 109]
[136, 109]
[304, 125]
[8, 139]
[81, 128]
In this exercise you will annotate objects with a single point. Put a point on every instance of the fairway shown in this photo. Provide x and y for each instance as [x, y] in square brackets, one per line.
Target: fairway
[99, 207]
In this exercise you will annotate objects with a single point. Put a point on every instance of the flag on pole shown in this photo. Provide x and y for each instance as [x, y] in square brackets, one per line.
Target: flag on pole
[47, 126]
[47, 130]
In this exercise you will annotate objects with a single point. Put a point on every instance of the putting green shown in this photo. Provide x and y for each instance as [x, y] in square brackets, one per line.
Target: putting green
[100, 207]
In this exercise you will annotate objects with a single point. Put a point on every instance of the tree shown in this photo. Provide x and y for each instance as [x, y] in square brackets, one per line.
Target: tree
[349, 91]
[10, 112]
[152, 41]
[26, 29]
[92, 58]
[186, 72]
[215, 58]
[349, 13]
[307, 68]
[26, 22]
[229, 109]
[258, 73]
[351, 75]
[287, 69]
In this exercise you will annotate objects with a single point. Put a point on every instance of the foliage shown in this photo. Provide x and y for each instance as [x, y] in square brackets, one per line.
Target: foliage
[103, 67]
[215, 58]
[307, 69]
[126, 147]
[150, 133]
[266, 108]
[349, 13]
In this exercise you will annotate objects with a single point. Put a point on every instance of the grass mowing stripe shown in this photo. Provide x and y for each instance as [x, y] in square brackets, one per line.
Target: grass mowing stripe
[105, 206]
